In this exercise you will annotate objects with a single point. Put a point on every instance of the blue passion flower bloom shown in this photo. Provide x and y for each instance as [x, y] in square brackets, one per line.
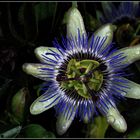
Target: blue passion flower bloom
[84, 75]
[124, 11]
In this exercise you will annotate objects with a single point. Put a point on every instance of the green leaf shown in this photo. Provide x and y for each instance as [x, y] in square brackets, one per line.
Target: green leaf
[98, 128]
[31, 14]
[28, 19]
[38, 89]
[91, 22]
[107, 7]
[43, 10]
[135, 133]
[12, 29]
[99, 16]
[11, 133]
[18, 104]
[133, 113]
[36, 131]
[46, 11]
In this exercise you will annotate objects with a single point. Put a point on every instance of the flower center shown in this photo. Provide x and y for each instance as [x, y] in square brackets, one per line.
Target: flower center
[82, 76]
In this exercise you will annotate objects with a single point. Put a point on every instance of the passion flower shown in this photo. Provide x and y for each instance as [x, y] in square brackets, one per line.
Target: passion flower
[84, 75]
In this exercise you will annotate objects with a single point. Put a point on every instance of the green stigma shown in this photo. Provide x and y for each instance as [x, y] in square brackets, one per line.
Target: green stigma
[81, 74]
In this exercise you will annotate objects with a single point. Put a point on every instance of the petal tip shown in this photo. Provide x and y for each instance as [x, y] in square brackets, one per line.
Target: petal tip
[38, 51]
[61, 128]
[72, 10]
[32, 111]
[30, 68]
[116, 120]
[75, 22]
[35, 108]
[25, 67]
[63, 123]
[60, 131]
[111, 27]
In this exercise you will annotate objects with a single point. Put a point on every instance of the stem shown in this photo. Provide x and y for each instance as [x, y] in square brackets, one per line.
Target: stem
[137, 30]
[134, 42]
[74, 4]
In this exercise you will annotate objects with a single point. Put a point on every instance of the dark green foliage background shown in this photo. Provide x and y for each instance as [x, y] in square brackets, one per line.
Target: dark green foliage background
[23, 27]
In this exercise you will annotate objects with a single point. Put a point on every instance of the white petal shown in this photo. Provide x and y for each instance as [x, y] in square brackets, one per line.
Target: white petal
[105, 31]
[74, 22]
[38, 107]
[41, 51]
[35, 70]
[133, 91]
[132, 54]
[116, 120]
[63, 123]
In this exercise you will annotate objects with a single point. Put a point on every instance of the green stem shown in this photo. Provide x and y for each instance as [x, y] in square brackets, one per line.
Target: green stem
[74, 4]
[137, 30]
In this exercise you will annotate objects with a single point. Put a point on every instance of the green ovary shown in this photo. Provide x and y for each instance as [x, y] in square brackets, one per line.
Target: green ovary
[79, 69]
